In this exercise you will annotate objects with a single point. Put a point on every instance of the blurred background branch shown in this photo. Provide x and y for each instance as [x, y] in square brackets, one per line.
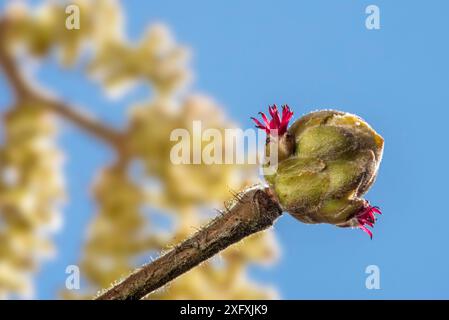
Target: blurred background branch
[24, 91]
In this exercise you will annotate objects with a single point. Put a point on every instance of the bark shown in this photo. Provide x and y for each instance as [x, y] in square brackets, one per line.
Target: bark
[254, 210]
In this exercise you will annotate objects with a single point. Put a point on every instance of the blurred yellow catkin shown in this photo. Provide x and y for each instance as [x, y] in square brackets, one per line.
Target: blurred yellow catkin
[123, 233]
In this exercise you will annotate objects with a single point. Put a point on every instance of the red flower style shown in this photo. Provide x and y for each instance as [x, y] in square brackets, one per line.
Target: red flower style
[366, 217]
[279, 123]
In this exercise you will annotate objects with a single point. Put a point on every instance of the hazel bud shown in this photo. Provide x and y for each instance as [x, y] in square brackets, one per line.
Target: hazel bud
[327, 160]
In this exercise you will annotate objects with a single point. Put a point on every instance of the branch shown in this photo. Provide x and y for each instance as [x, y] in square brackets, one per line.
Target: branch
[84, 121]
[253, 211]
[25, 91]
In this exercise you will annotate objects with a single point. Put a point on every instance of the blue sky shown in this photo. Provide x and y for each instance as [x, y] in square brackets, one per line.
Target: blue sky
[311, 55]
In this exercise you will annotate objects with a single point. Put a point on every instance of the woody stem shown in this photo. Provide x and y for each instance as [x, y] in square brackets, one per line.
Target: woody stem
[254, 211]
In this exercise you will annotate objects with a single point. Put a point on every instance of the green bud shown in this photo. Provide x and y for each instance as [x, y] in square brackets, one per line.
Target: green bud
[332, 161]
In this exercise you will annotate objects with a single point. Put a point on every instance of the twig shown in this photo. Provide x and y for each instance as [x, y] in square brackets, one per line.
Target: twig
[253, 212]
